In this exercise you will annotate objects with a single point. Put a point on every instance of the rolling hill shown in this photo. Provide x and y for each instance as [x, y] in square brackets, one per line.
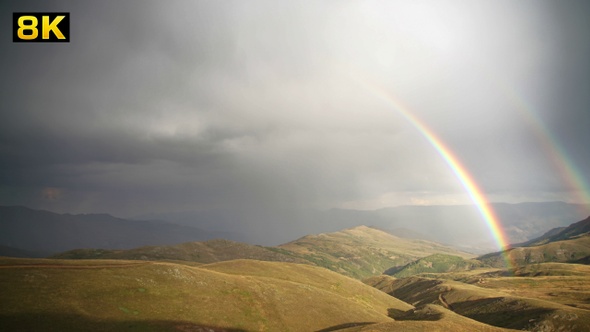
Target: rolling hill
[358, 252]
[489, 305]
[201, 252]
[222, 285]
[430, 317]
[559, 234]
[242, 295]
[561, 251]
[229, 296]
[436, 263]
[563, 283]
[569, 244]
[363, 251]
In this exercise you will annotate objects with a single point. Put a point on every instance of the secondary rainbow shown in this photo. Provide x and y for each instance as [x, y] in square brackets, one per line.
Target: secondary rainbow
[458, 169]
[565, 167]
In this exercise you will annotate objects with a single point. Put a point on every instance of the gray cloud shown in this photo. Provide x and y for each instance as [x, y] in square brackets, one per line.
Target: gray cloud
[158, 106]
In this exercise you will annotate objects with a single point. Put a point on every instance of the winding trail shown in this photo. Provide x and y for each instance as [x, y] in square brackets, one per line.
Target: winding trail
[444, 302]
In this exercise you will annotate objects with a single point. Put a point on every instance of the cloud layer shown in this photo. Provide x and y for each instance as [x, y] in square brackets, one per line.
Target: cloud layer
[156, 107]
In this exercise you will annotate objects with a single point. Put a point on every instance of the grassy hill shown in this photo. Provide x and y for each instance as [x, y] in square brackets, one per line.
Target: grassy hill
[363, 251]
[541, 239]
[563, 283]
[357, 252]
[200, 286]
[201, 252]
[242, 295]
[569, 244]
[571, 250]
[561, 233]
[489, 304]
[436, 263]
[430, 317]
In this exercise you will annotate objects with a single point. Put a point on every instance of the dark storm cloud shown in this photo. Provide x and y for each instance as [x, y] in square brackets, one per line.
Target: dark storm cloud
[162, 106]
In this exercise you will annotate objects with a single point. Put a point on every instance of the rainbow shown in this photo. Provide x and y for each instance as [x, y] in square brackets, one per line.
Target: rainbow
[566, 169]
[475, 193]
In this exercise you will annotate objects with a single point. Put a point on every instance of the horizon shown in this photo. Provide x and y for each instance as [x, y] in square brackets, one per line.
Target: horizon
[457, 225]
[155, 108]
[139, 216]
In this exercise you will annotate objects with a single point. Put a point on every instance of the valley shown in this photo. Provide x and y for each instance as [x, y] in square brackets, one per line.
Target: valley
[357, 279]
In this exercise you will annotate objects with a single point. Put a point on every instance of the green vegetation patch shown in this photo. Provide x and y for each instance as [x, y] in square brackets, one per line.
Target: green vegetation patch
[437, 263]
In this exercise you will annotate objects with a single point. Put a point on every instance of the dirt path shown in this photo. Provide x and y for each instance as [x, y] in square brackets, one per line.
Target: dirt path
[444, 302]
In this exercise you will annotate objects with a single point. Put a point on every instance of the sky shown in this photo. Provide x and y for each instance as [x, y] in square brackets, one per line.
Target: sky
[163, 106]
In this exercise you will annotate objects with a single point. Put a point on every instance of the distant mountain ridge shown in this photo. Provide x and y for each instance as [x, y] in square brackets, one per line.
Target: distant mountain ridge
[46, 232]
[210, 251]
[569, 244]
[15, 252]
[559, 234]
[461, 226]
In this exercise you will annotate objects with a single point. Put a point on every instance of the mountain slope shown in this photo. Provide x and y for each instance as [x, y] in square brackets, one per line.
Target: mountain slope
[202, 252]
[363, 251]
[572, 250]
[436, 263]
[15, 252]
[48, 232]
[570, 244]
[431, 318]
[488, 306]
[541, 239]
[563, 283]
[357, 252]
[561, 233]
[103, 295]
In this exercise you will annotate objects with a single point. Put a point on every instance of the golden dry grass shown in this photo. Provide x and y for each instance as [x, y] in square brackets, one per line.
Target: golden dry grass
[363, 251]
[567, 284]
[560, 251]
[431, 318]
[96, 295]
[493, 305]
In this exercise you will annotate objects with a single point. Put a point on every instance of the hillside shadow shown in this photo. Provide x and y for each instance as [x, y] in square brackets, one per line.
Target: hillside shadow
[344, 326]
[33, 322]
[500, 312]
[421, 314]
[396, 313]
